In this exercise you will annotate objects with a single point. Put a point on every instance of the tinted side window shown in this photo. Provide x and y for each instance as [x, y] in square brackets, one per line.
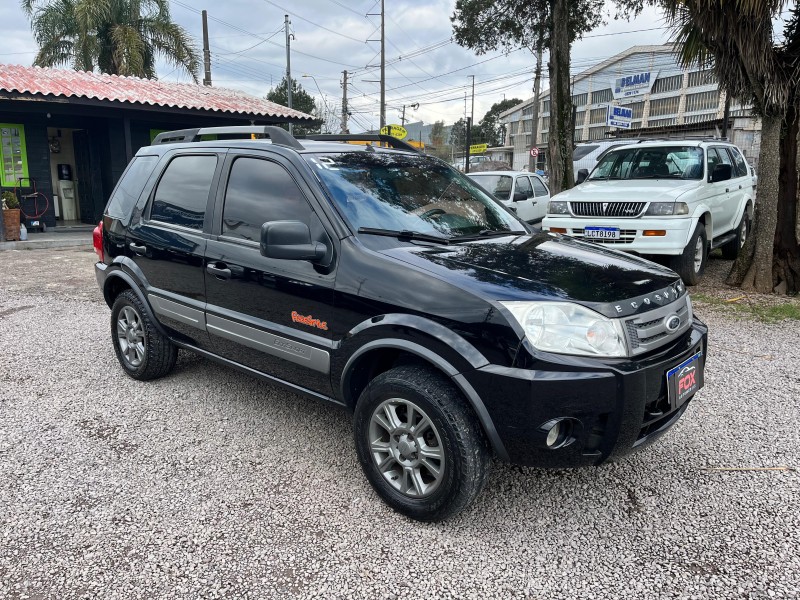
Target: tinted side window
[539, 187]
[523, 185]
[582, 151]
[713, 160]
[130, 186]
[260, 191]
[740, 165]
[182, 193]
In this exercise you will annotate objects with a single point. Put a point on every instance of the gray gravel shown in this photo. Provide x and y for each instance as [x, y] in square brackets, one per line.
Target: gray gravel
[212, 484]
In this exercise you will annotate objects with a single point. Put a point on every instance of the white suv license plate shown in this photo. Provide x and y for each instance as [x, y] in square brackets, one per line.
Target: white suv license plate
[601, 233]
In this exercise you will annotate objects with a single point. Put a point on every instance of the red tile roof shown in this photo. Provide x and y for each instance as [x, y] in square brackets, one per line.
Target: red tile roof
[133, 90]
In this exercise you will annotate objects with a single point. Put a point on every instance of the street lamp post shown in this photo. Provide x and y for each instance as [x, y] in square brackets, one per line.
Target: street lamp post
[324, 102]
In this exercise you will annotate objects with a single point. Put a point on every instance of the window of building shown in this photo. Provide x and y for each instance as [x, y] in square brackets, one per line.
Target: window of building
[514, 127]
[602, 96]
[182, 194]
[637, 108]
[660, 122]
[545, 123]
[702, 101]
[577, 135]
[580, 118]
[545, 137]
[699, 118]
[580, 99]
[527, 112]
[526, 125]
[636, 124]
[598, 115]
[698, 78]
[13, 153]
[668, 84]
[259, 191]
[597, 133]
[664, 106]
[528, 140]
[546, 106]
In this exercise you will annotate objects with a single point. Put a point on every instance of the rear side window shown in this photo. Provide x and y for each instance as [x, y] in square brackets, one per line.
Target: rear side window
[260, 191]
[539, 187]
[582, 151]
[740, 166]
[182, 194]
[130, 186]
[524, 185]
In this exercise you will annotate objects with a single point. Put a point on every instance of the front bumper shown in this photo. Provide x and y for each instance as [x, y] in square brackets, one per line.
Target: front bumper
[612, 407]
[632, 238]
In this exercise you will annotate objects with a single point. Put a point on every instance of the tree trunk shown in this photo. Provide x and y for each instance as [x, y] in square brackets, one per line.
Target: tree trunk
[753, 269]
[537, 88]
[786, 267]
[560, 143]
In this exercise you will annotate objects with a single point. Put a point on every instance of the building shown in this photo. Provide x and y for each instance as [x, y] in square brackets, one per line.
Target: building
[665, 99]
[72, 133]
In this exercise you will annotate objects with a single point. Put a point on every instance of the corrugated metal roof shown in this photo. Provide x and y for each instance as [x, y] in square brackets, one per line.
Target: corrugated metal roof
[133, 90]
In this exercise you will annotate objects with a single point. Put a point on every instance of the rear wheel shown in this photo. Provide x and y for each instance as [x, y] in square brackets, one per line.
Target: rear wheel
[419, 444]
[141, 349]
[691, 264]
[731, 250]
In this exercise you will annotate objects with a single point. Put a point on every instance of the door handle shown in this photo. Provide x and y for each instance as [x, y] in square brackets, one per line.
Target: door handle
[220, 273]
[727, 190]
[137, 248]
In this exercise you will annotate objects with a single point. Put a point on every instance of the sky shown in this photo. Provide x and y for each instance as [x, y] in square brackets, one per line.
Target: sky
[424, 66]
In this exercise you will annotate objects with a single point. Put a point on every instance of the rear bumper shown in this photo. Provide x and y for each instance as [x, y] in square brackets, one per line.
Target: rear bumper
[610, 408]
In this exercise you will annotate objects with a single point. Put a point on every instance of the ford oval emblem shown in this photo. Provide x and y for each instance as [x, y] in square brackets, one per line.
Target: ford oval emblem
[672, 323]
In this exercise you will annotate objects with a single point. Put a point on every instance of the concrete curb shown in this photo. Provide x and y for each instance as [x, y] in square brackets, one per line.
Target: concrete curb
[46, 244]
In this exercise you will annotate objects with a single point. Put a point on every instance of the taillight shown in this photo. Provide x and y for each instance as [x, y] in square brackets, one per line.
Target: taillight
[97, 241]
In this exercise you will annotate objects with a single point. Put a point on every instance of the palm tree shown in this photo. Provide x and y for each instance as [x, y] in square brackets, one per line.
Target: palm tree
[737, 38]
[120, 37]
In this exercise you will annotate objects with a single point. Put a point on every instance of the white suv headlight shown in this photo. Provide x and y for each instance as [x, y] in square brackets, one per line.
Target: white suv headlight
[557, 207]
[568, 328]
[661, 209]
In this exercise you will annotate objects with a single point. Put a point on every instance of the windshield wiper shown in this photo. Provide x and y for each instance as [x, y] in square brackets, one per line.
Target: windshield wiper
[484, 233]
[404, 234]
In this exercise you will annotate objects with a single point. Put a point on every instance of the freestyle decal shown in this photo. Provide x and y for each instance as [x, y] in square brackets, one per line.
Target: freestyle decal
[309, 320]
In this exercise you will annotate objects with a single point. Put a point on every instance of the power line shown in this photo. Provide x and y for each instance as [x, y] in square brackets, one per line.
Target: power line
[342, 35]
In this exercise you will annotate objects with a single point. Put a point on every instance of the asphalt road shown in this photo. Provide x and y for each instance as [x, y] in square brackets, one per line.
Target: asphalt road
[212, 484]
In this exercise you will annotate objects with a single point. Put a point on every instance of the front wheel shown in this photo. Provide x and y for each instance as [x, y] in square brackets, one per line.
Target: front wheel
[731, 250]
[691, 264]
[419, 444]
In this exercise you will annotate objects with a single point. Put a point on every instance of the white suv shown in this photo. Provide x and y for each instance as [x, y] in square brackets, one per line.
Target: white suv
[676, 198]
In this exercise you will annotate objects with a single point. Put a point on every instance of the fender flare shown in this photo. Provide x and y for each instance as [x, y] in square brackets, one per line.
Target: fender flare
[455, 376]
[702, 209]
[131, 283]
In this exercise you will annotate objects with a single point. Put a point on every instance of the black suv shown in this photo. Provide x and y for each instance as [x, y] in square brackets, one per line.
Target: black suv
[383, 280]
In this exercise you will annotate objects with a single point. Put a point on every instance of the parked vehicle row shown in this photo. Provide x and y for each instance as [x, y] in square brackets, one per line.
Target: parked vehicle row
[386, 282]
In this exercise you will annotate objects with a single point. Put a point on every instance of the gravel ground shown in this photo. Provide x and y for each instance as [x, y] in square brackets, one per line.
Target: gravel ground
[212, 484]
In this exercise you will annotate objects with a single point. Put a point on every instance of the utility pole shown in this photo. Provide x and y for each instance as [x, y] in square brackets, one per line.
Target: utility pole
[383, 63]
[206, 51]
[468, 144]
[472, 112]
[403, 118]
[286, 23]
[537, 87]
[344, 102]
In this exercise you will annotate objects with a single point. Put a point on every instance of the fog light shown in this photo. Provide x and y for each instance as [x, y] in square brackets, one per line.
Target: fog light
[553, 435]
[654, 233]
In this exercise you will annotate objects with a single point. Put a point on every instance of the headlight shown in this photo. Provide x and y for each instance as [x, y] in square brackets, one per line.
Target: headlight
[569, 328]
[661, 209]
[559, 207]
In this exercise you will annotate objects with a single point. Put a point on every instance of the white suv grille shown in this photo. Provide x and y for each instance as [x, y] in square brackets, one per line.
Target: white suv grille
[607, 209]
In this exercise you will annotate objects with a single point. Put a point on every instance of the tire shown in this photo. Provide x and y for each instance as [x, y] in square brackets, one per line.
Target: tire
[691, 264]
[426, 472]
[141, 349]
[731, 250]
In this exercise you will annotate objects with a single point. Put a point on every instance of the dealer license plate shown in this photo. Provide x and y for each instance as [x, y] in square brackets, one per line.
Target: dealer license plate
[685, 379]
[601, 233]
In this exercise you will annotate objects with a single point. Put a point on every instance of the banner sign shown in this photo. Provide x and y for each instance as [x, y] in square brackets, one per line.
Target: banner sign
[478, 148]
[396, 131]
[619, 116]
[637, 84]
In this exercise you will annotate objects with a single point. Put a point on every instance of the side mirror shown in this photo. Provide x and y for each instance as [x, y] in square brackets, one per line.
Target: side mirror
[721, 172]
[290, 240]
[520, 196]
[582, 175]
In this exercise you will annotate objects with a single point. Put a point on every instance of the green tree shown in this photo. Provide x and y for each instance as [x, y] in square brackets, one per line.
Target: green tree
[120, 37]
[485, 25]
[492, 131]
[458, 134]
[301, 100]
[757, 69]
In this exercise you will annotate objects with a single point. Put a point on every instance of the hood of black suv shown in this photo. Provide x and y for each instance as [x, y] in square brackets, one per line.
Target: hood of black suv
[543, 266]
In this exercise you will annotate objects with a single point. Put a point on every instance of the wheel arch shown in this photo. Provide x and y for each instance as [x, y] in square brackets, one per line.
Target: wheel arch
[117, 281]
[378, 356]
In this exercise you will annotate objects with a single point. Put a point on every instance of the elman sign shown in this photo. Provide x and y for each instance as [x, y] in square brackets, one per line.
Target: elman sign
[619, 116]
[633, 85]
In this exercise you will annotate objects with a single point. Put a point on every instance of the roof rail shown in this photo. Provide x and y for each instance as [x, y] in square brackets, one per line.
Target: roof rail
[362, 137]
[278, 136]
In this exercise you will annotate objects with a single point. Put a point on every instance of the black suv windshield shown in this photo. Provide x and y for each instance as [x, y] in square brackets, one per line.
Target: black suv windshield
[409, 193]
[651, 162]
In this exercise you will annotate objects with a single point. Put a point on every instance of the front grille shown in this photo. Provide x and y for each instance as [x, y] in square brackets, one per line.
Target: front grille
[648, 331]
[626, 236]
[607, 209]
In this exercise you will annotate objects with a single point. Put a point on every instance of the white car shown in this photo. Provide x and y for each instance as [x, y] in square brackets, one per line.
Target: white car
[525, 193]
[678, 198]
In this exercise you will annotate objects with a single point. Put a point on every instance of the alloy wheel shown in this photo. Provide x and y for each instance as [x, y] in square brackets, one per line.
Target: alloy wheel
[130, 335]
[698, 254]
